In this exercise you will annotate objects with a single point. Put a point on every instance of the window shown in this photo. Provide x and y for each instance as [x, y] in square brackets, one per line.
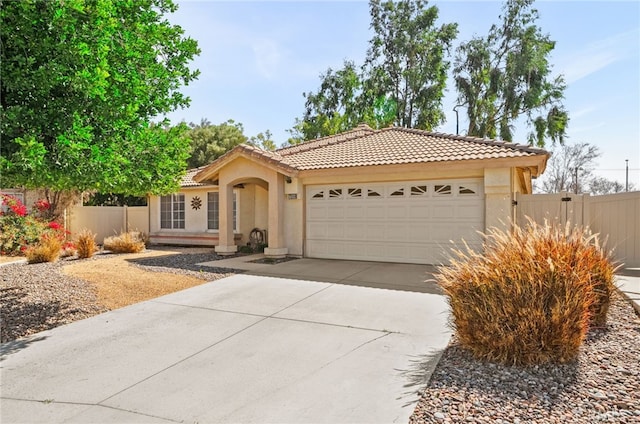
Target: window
[354, 192]
[466, 190]
[373, 193]
[172, 211]
[442, 190]
[335, 193]
[213, 211]
[318, 195]
[420, 190]
[397, 193]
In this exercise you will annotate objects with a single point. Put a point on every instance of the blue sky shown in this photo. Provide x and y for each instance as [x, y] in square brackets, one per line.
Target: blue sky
[258, 57]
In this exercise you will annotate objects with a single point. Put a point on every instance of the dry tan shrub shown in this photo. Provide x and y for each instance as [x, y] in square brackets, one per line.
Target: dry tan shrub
[47, 250]
[531, 296]
[129, 242]
[86, 244]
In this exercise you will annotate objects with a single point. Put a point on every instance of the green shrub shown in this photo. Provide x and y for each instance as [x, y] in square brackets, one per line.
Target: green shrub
[129, 242]
[531, 296]
[47, 250]
[245, 249]
[86, 244]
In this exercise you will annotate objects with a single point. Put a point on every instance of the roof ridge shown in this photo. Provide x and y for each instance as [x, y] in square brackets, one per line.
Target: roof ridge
[325, 141]
[196, 169]
[473, 139]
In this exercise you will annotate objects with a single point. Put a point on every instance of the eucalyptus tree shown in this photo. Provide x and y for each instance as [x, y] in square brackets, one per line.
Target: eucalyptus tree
[506, 75]
[401, 82]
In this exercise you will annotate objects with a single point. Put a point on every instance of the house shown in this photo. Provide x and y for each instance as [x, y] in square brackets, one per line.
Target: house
[394, 195]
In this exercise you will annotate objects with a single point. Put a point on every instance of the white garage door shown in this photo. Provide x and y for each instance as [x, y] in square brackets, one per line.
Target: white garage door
[410, 222]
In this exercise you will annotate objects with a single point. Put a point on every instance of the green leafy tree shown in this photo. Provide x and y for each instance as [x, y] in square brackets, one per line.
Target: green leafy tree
[406, 61]
[507, 75]
[263, 140]
[209, 142]
[401, 83]
[82, 81]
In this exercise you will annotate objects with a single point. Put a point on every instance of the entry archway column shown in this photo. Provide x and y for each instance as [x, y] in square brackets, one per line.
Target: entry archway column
[226, 244]
[276, 246]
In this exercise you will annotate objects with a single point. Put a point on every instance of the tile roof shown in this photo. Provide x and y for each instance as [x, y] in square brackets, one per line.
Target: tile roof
[364, 146]
[188, 181]
[394, 145]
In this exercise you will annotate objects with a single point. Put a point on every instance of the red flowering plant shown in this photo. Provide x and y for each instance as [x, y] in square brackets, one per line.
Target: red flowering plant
[41, 206]
[12, 205]
[20, 230]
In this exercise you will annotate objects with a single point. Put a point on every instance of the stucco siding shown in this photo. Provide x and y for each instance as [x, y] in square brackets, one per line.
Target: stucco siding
[498, 196]
[261, 211]
[294, 225]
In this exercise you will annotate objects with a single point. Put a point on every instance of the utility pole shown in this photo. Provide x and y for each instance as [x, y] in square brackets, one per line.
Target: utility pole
[626, 185]
[575, 187]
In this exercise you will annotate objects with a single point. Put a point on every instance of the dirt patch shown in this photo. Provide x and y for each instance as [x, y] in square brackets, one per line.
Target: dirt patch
[118, 283]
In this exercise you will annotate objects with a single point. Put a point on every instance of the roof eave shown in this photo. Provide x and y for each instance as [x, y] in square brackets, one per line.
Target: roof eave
[211, 172]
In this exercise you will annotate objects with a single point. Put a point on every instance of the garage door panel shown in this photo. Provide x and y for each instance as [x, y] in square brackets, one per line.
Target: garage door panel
[419, 234]
[443, 211]
[353, 212]
[417, 211]
[376, 211]
[375, 231]
[444, 232]
[404, 222]
[374, 250]
[355, 231]
[315, 211]
[317, 230]
[336, 231]
[355, 250]
[335, 211]
[317, 249]
[469, 211]
[397, 232]
[397, 212]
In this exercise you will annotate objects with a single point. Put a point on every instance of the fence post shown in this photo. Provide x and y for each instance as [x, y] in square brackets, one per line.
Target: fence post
[126, 219]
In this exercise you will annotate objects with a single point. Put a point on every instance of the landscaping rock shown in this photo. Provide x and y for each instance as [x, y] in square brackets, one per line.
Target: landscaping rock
[601, 385]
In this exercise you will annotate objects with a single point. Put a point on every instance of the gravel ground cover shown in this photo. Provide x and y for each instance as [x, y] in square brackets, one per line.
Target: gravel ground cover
[602, 385]
[38, 297]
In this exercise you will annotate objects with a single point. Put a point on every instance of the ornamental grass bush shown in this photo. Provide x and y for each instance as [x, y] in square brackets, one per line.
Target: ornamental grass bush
[86, 244]
[531, 296]
[129, 242]
[48, 249]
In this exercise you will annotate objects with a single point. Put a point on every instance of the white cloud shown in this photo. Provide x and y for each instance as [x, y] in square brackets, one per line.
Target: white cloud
[598, 55]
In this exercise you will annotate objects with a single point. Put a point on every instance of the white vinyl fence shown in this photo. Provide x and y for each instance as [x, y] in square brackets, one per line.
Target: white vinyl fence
[107, 221]
[616, 217]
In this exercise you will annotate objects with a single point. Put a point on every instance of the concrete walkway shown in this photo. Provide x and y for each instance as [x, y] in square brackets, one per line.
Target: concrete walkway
[628, 281]
[406, 277]
[242, 349]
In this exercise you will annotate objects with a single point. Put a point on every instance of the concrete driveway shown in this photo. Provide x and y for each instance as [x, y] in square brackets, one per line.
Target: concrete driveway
[406, 277]
[245, 348]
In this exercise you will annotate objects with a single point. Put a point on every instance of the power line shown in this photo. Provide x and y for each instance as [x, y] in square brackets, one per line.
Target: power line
[615, 169]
